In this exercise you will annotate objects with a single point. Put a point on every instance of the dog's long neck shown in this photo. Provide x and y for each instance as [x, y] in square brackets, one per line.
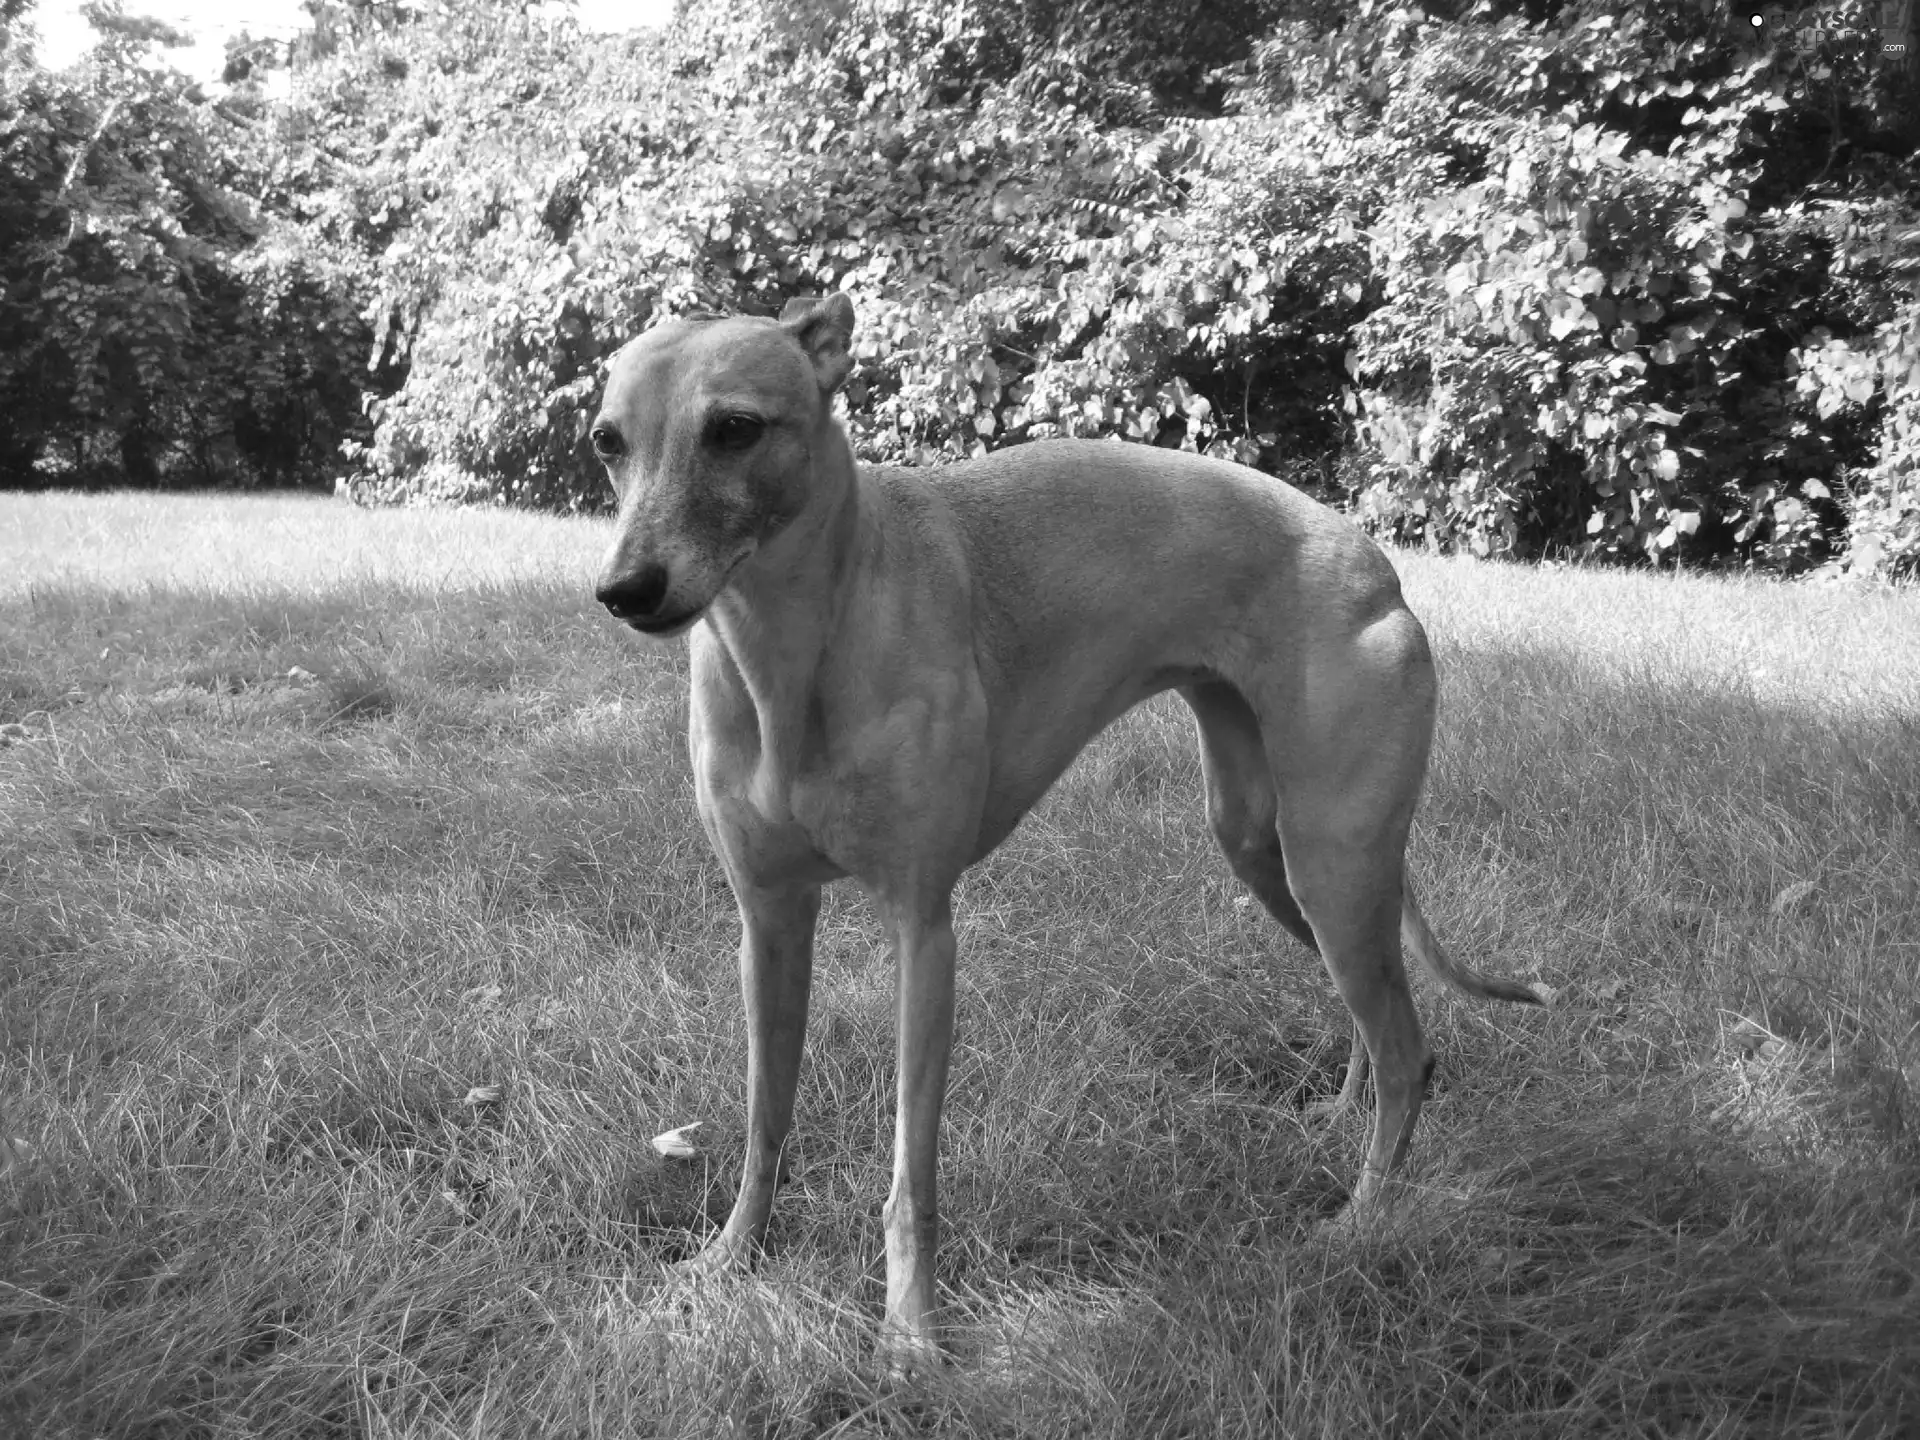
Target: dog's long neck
[777, 616]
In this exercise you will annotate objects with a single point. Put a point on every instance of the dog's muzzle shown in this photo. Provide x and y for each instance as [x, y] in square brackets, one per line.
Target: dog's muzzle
[636, 598]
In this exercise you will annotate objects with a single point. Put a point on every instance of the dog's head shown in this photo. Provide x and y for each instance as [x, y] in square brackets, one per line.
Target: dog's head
[710, 430]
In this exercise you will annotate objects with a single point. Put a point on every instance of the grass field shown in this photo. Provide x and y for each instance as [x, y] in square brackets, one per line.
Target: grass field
[315, 822]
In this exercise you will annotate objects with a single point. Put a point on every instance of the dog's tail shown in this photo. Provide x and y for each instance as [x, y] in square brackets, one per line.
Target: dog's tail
[1420, 940]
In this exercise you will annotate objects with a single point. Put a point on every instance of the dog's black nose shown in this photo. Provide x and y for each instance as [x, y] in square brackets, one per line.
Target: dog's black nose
[635, 596]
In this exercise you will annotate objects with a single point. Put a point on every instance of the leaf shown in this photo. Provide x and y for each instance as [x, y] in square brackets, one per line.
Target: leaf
[1865, 555]
[1754, 1040]
[15, 1156]
[677, 1144]
[1568, 313]
[1792, 897]
[482, 1095]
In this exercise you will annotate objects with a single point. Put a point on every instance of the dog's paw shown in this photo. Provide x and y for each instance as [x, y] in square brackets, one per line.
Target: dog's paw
[722, 1255]
[1347, 1224]
[1329, 1110]
[1386, 1210]
[902, 1355]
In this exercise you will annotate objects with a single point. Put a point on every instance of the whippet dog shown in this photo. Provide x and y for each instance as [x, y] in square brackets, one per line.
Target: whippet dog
[891, 666]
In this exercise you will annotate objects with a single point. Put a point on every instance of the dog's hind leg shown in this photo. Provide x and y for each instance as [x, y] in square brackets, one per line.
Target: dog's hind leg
[1243, 808]
[1348, 740]
[1242, 805]
[1351, 893]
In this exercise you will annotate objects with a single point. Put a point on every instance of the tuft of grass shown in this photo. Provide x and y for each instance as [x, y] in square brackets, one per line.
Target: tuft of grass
[357, 931]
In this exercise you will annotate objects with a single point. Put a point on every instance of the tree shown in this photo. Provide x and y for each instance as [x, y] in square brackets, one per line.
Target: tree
[151, 332]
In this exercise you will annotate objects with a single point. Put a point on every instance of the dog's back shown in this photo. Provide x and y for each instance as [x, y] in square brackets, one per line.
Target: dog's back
[1149, 522]
[1100, 573]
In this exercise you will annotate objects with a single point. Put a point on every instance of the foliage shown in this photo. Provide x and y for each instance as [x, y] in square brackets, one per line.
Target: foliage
[1522, 279]
[1021, 272]
[1124, 58]
[1504, 278]
[1584, 334]
[155, 326]
[1884, 534]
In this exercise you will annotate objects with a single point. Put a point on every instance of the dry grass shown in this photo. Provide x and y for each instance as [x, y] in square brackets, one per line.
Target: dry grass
[260, 937]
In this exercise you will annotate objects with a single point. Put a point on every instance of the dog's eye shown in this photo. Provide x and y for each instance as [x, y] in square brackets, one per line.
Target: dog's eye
[607, 443]
[736, 432]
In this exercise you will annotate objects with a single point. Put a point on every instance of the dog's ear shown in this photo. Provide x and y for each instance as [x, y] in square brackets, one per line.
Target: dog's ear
[824, 329]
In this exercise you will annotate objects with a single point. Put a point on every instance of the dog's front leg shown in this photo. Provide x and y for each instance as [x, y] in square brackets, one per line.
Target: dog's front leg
[923, 1031]
[776, 973]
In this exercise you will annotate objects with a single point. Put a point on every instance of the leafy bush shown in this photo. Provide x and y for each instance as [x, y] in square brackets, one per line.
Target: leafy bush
[1598, 280]
[1583, 338]
[1884, 534]
[1021, 271]
[1501, 278]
